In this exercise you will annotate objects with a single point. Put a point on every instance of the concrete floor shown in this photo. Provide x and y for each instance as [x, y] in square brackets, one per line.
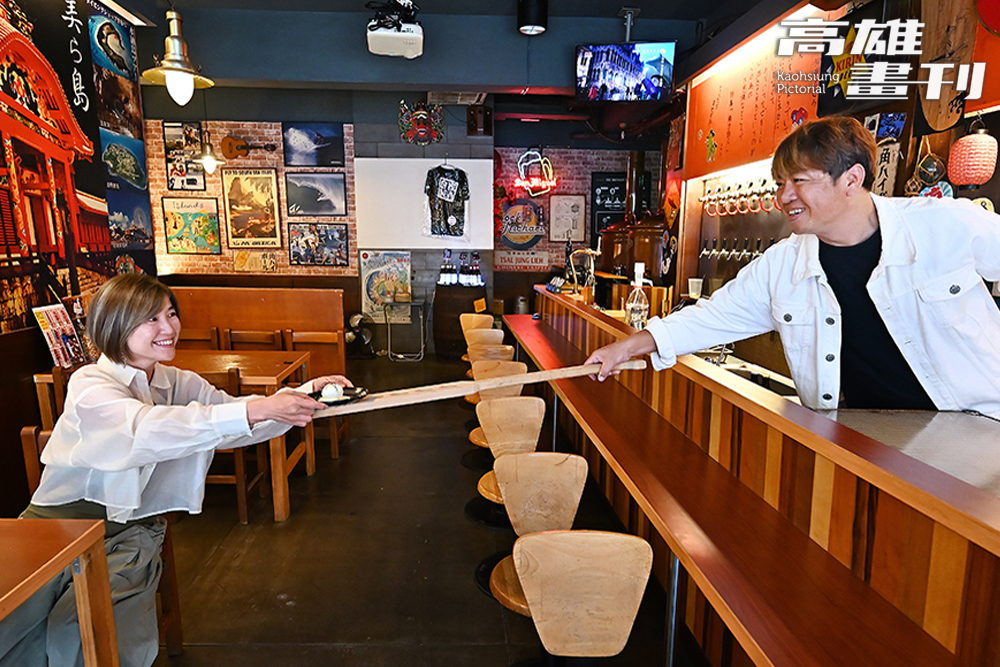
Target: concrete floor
[375, 565]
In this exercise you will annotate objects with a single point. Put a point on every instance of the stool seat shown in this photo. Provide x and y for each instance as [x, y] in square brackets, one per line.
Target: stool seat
[473, 398]
[465, 357]
[478, 438]
[489, 489]
[506, 587]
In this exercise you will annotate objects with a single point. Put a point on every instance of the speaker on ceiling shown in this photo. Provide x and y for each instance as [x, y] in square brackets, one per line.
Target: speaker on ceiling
[479, 119]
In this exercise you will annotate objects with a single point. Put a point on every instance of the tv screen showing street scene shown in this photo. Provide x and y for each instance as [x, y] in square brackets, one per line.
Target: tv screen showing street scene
[624, 72]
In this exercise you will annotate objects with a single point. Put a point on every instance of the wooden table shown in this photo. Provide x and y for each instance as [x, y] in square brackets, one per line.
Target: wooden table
[32, 551]
[266, 370]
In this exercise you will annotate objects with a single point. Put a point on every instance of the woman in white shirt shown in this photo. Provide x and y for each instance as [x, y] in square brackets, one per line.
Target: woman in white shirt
[134, 441]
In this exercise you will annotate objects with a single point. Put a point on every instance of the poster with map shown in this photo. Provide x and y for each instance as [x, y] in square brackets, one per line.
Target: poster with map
[192, 226]
[385, 278]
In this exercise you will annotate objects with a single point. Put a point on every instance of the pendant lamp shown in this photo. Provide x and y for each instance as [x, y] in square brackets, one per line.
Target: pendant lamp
[175, 71]
[532, 16]
[208, 159]
[973, 158]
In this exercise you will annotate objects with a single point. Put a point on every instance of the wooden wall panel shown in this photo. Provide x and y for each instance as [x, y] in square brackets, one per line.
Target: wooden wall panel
[753, 453]
[945, 585]
[772, 471]
[797, 465]
[843, 515]
[901, 555]
[978, 639]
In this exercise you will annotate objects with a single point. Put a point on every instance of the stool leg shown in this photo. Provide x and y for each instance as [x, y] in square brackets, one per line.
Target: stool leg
[671, 631]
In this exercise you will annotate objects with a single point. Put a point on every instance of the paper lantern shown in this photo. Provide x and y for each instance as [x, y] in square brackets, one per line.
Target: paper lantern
[973, 158]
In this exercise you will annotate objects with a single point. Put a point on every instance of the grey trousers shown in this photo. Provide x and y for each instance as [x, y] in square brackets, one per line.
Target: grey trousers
[44, 631]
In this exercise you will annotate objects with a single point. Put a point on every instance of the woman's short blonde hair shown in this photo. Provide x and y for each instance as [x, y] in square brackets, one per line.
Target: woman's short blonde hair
[121, 305]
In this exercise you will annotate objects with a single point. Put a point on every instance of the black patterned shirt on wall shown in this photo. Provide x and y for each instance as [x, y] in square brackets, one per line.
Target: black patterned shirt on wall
[447, 190]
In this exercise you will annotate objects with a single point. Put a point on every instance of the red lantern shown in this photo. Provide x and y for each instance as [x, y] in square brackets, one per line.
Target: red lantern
[973, 158]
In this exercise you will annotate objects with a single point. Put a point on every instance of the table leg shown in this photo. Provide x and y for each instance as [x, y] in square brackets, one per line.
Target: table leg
[309, 436]
[279, 479]
[93, 607]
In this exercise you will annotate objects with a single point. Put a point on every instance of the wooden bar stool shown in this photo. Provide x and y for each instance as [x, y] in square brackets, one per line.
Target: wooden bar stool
[541, 491]
[583, 589]
[509, 425]
[33, 441]
[470, 321]
[481, 337]
[487, 353]
[481, 459]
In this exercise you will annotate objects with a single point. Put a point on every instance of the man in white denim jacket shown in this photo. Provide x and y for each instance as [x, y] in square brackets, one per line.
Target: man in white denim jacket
[881, 299]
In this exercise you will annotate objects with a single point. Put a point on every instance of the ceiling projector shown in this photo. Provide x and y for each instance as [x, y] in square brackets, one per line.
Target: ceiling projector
[395, 31]
[407, 41]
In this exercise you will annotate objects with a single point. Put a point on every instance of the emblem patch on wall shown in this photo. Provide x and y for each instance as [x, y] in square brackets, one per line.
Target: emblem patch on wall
[421, 125]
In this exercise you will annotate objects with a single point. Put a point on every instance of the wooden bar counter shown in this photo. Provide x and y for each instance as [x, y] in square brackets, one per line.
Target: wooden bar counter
[922, 540]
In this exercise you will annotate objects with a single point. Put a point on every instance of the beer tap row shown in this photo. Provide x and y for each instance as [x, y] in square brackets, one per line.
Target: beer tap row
[754, 196]
[736, 253]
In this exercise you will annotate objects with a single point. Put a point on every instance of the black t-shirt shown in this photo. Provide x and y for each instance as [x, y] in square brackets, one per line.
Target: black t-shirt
[873, 372]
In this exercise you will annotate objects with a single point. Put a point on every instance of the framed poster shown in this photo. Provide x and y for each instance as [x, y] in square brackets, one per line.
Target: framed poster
[318, 244]
[385, 278]
[313, 144]
[567, 218]
[315, 193]
[182, 144]
[252, 261]
[251, 208]
[191, 226]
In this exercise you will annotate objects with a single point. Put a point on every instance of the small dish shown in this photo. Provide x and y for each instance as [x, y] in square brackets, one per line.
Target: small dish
[351, 394]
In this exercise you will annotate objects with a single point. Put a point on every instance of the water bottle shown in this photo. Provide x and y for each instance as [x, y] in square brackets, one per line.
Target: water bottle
[637, 306]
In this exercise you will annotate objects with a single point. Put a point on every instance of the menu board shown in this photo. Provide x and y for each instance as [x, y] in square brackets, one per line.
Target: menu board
[609, 197]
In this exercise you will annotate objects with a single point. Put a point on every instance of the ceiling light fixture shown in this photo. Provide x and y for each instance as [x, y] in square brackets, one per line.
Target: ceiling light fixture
[208, 159]
[175, 71]
[532, 16]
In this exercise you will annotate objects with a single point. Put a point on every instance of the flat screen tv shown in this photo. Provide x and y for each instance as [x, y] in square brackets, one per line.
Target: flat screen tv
[624, 72]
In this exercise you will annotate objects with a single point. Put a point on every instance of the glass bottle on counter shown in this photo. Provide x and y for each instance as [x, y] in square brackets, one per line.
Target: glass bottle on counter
[637, 306]
[446, 275]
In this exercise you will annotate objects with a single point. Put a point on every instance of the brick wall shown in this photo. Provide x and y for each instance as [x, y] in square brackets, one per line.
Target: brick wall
[573, 168]
[255, 133]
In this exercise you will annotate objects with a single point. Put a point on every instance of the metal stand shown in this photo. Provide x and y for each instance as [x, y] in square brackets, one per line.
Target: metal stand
[670, 636]
[388, 309]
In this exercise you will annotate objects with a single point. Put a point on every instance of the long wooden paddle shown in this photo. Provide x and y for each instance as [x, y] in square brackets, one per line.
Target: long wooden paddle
[439, 392]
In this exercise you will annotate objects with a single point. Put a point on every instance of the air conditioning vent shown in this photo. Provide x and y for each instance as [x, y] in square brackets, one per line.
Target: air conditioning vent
[466, 99]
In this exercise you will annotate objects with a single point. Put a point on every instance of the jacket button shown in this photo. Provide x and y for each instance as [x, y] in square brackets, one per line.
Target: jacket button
[827, 397]
[830, 320]
[787, 317]
[954, 289]
[830, 357]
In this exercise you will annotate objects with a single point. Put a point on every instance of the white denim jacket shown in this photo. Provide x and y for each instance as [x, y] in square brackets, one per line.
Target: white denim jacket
[142, 448]
[928, 288]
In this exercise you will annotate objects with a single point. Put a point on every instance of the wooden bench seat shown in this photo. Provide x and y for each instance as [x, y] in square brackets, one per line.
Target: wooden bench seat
[786, 600]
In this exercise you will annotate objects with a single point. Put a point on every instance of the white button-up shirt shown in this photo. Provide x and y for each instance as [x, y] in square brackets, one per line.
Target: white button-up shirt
[927, 286]
[142, 448]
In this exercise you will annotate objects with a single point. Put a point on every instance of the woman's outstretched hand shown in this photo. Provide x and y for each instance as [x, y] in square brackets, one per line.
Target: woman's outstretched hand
[294, 408]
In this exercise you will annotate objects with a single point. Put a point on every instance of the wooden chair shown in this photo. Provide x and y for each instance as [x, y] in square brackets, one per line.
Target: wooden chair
[493, 361]
[198, 339]
[481, 337]
[475, 321]
[33, 441]
[328, 356]
[541, 491]
[583, 588]
[229, 382]
[509, 425]
[481, 459]
[246, 339]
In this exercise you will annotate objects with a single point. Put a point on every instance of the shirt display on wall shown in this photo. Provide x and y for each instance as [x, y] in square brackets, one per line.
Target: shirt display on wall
[447, 190]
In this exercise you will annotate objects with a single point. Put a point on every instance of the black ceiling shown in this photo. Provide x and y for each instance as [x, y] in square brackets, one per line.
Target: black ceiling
[684, 10]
